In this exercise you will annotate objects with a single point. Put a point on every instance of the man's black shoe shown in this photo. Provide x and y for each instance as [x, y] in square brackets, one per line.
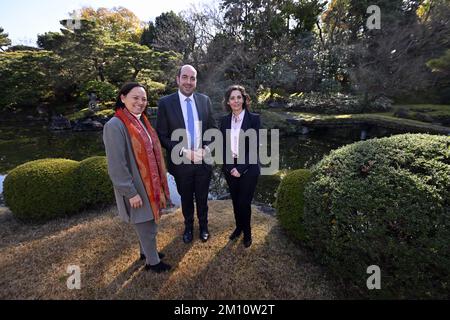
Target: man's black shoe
[236, 233]
[204, 235]
[160, 267]
[187, 236]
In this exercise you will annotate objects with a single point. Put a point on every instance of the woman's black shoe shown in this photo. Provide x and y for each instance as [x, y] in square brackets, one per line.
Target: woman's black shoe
[236, 233]
[160, 255]
[160, 267]
[247, 242]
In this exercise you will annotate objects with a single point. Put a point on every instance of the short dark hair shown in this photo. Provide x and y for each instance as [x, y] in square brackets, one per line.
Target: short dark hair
[126, 88]
[245, 96]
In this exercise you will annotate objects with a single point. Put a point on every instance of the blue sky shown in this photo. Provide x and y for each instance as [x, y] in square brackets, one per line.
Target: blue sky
[24, 19]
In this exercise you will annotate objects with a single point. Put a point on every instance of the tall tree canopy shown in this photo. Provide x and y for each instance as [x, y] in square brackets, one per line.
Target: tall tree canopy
[27, 77]
[119, 23]
[4, 40]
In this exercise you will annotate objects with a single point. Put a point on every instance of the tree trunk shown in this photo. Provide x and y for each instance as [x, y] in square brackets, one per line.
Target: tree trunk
[366, 99]
[100, 73]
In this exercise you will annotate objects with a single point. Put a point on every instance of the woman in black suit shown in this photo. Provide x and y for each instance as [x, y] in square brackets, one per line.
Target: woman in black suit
[241, 157]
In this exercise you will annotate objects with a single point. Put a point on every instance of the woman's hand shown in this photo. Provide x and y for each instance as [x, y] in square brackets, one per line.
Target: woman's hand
[136, 202]
[235, 173]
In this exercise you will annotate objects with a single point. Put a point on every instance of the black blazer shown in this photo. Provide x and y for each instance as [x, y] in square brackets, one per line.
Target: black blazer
[250, 121]
[170, 118]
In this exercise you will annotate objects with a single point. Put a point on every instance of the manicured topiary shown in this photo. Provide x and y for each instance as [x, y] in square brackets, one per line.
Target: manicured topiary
[94, 184]
[384, 202]
[42, 189]
[289, 202]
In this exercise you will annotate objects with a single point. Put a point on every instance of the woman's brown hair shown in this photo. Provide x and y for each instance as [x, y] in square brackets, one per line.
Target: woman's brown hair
[245, 96]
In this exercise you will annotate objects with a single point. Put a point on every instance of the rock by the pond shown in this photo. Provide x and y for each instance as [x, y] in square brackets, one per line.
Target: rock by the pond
[102, 119]
[42, 110]
[276, 104]
[401, 113]
[423, 117]
[60, 123]
[88, 125]
[224, 196]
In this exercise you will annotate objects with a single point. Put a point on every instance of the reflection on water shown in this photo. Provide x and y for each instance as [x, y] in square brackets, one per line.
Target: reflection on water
[295, 153]
[1, 183]
[174, 195]
[18, 146]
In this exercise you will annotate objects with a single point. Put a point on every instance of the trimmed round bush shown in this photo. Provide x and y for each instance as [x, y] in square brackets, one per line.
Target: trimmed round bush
[42, 189]
[290, 201]
[94, 185]
[384, 202]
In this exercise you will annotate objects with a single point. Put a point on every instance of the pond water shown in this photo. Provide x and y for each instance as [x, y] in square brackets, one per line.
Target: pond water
[20, 144]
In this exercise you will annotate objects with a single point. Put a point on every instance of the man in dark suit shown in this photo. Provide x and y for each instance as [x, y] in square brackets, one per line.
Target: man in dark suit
[191, 112]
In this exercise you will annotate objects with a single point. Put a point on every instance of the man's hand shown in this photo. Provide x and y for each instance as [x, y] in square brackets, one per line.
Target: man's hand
[194, 156]
[136, 202]
[198, 155]
[188, 154]
[235, 173]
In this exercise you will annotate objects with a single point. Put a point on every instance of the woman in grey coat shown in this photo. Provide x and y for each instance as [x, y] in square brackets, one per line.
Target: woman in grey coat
[137, 170]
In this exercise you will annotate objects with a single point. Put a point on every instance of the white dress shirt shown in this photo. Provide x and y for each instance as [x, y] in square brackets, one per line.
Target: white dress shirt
[236, 124]
[197, 126]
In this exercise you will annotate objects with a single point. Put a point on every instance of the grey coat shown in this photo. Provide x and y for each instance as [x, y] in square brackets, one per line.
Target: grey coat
[124, 173]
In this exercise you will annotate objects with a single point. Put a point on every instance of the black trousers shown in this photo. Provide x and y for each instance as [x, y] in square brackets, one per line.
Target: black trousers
[242, 190]
[190, 184]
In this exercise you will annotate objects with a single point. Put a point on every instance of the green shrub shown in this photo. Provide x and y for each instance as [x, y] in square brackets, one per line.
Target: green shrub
[48, 188]
[267, 95]
[384, 202]
[94, 185]
[154, 89]
[104, 91]
[289, 202]
[80, 115]
[42, 189]
[85, 113]
[108, 113]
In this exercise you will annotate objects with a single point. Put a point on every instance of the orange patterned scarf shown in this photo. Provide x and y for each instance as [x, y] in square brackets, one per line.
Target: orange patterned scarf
[149, 159]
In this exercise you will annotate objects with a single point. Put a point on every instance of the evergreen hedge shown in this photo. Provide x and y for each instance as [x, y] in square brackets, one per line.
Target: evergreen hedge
[42, 189]
[49, 188]
[384, 202]
[290, 201]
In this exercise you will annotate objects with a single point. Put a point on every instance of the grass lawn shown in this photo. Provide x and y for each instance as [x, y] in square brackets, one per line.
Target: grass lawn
[383, 118]
[34, 260]
[431, 109]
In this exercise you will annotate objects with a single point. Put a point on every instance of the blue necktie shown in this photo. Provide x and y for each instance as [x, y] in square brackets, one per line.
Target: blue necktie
[191, 126]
